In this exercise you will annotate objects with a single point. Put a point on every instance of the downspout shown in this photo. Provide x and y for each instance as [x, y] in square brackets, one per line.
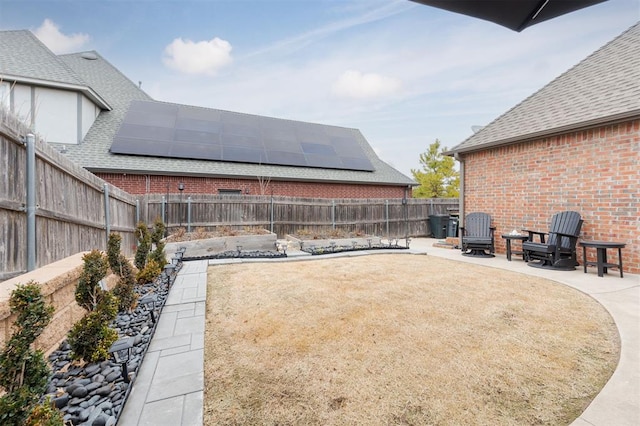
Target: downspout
[459, 159]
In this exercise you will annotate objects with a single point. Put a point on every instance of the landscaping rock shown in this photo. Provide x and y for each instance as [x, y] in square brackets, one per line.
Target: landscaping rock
[94, 393]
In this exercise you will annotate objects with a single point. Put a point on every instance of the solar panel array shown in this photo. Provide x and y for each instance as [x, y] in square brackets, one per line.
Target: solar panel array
[179, 131]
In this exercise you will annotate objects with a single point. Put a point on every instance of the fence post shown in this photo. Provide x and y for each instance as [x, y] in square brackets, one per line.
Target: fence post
[107, 214]
[271, 215]
[31, 202]
[189, 214]
[137, 211]
[164, 219]
[386, 215]
[333, 214]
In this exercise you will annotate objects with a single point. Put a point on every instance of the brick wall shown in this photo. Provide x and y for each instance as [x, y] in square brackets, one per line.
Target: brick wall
[146, 184]
[594, 172]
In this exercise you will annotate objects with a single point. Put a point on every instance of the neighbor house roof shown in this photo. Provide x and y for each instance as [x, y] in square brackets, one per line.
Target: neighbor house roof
[25, 59]
[604, 88]
[93, 154]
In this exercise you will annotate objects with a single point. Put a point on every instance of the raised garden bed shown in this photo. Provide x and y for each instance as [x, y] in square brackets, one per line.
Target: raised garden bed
[336, 245]
[223, 245]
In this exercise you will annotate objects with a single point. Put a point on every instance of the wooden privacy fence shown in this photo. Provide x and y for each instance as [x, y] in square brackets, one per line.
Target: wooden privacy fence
[286, 215]
[74, 210]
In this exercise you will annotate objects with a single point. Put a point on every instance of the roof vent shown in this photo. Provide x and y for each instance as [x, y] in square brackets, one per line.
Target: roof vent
[89, 56]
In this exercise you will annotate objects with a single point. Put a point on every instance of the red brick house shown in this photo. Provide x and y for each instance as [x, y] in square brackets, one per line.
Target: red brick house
[105, 123]
[573, 145]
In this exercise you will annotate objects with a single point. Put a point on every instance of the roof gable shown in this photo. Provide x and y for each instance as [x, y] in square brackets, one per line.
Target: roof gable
[23, 55]
[603, 88]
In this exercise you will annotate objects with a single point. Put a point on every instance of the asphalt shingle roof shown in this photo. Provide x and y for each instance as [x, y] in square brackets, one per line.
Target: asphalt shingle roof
[603, 88]
[119, 91]
[23, 55]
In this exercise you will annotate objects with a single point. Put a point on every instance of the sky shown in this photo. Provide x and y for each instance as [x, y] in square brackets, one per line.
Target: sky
[402, 73]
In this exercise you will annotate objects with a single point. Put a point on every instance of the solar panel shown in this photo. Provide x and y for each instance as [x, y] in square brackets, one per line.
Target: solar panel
[159, 129]
[194, 136]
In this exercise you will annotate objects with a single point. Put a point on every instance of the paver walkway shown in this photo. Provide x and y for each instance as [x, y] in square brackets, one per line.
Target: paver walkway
[169, 388]
[170, 384]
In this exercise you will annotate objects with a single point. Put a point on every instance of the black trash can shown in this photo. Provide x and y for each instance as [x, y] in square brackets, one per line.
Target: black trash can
[452, 225]
[438, 225]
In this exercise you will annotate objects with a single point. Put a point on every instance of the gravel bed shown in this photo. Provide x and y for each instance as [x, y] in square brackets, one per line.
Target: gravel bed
[94, 394]
[235, 254]
[309, 248]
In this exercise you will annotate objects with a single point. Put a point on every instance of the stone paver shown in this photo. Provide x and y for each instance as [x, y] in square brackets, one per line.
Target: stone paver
[170, 384]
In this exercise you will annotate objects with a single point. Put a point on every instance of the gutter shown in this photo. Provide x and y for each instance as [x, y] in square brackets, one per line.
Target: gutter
[563, 130]
[86, 90]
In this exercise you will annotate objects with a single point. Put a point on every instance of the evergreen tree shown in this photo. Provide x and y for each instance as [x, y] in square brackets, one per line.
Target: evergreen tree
[438, 177]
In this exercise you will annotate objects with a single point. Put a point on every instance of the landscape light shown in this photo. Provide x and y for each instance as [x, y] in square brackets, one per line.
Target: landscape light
[121, 352]
[149, 303]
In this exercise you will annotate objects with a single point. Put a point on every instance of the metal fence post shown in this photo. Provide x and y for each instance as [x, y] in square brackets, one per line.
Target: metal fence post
[31, 202]
[271, 218]
[189, 214]
[107, 214]
[333, 214]
[164, 219]
[386, 215]
[137, 211]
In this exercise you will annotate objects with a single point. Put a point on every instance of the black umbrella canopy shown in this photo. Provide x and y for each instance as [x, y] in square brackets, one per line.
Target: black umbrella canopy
[513, 14]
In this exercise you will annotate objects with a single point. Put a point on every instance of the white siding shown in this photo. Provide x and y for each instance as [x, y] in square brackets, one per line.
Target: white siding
[5, 95]
[57, 115]
[22, 102]
[89, 113]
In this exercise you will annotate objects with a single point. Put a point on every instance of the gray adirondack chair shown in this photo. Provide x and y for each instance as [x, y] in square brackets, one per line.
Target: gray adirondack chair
[559, 250]
[476, 236]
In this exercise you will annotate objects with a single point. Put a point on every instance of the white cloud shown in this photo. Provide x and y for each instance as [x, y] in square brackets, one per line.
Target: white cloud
[49, 33]
[354, 84]
[202, 57]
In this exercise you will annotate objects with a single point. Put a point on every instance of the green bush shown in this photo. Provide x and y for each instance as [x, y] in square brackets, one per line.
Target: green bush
[24, 371]
[88, 291]
[45, 414]
[156, 239]
[150, 272]
[124, 288]
[91, 337]
[113, 251]
[144, 245]
[120, 266]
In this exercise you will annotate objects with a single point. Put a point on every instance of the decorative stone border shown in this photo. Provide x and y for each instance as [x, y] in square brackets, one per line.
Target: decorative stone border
[298, 244]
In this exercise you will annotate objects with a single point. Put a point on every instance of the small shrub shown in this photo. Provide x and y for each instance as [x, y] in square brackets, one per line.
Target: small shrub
[157, 254]
[45, 414]
[158, 231]
[150, 272]
[113, 251]
[88, 290]
[200, 233]
[91, 337]
[144, 245]
[227, 231]
[179, 234]
[124, 288]
[24, 371]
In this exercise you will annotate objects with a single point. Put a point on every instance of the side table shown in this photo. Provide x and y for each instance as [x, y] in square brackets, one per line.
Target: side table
[601, 256]
[509, 238]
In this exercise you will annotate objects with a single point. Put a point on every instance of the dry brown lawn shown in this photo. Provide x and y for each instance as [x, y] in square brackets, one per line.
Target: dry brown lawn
[399, 340]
